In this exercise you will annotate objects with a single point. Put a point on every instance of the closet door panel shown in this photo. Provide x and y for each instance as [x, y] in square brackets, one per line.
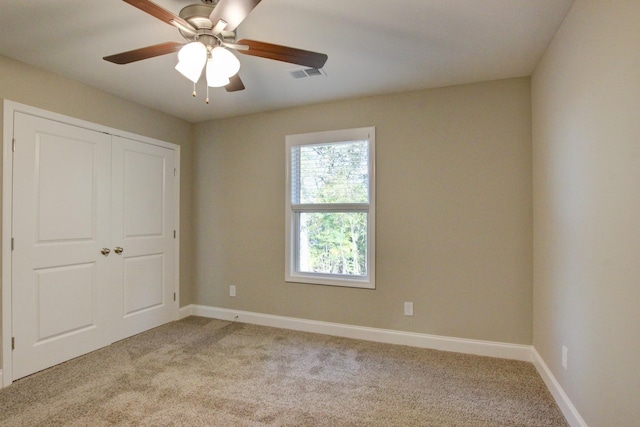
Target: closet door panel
[143, 283]
[143, 226]
[144, 191]
[61, 221]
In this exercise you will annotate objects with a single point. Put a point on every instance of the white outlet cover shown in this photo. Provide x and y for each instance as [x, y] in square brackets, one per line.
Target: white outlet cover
[408, 309]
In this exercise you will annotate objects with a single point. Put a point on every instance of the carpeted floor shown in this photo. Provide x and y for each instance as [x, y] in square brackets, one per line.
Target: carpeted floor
[204, 372]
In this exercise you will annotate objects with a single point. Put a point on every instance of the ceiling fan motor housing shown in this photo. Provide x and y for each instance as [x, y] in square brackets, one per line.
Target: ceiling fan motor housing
[198, 16]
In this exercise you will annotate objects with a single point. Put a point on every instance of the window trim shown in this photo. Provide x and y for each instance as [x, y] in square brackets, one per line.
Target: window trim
[292, 274]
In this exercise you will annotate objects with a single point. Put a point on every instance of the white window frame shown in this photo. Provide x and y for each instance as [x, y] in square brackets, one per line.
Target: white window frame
[292, 273]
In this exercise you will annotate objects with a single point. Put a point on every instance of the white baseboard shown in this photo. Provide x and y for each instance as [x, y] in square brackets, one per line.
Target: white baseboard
[568, 410]
[435, 342]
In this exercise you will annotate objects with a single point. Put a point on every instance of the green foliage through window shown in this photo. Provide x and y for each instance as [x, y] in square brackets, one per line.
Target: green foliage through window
[331, 173]
[333, 243]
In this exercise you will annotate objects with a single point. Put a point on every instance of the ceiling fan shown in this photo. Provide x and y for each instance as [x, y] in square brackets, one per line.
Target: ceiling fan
[210, 31]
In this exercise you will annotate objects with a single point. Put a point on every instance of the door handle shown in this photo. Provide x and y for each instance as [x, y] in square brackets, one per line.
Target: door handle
[105, 251]
[118, 250]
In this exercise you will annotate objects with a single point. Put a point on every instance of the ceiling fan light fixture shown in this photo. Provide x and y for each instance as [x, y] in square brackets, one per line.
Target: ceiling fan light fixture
[215, 78]
[191, 60]
[225, 62]
[191, 73]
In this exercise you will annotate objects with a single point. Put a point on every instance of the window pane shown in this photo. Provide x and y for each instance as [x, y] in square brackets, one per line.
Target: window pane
[333, 243]
[331, 173]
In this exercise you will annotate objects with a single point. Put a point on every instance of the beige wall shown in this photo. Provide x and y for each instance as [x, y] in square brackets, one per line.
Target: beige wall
[38, 88]
[586, 133]
[454, 212]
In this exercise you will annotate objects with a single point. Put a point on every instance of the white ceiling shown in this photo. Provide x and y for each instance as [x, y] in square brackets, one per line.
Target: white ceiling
[374, 47]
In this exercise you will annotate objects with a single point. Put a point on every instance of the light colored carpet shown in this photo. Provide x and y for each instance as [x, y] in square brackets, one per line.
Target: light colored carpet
[204, 372]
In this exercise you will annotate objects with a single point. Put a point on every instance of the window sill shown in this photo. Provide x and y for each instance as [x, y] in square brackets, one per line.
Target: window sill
[331, 280]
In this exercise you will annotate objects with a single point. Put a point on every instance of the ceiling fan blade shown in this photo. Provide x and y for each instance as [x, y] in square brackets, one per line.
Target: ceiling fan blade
[233, 12]
[235, 84]
[283, 53]
[161, 13]
[143, 53]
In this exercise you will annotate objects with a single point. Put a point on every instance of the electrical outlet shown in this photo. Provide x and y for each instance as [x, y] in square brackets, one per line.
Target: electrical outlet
[565, 357]
[232, 291]
[408, 309]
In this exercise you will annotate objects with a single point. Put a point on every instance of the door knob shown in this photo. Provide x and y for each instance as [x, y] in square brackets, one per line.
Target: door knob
[105, 251]
[118, 250]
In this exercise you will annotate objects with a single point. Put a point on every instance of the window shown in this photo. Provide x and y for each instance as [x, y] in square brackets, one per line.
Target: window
[330, 208]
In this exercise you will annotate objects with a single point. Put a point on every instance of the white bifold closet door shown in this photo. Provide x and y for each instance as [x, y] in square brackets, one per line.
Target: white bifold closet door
[143, 211]
[94, 249]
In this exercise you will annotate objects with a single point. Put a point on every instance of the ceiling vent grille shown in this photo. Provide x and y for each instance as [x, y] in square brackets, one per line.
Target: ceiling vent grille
[303, 73]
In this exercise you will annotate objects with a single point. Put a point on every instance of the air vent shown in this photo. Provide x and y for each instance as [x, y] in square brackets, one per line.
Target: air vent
[303, 73]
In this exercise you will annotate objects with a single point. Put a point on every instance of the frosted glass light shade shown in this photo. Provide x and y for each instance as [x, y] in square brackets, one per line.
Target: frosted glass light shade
[214, 77]
[225, 62]
[191, 60]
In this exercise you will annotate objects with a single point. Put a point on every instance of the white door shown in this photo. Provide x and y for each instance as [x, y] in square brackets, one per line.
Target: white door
[60, 283]
[94, 243]
[143, 224]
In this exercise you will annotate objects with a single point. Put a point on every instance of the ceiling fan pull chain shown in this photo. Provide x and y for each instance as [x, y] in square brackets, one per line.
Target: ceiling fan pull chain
[207, 100]
[194, 89]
